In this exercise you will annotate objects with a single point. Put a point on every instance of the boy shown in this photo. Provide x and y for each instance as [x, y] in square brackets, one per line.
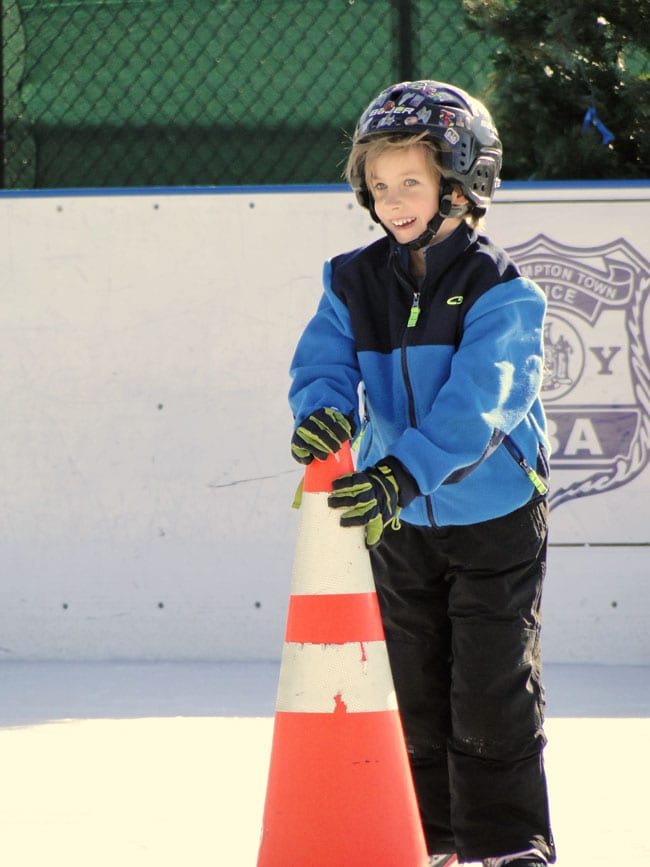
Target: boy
[443, 337]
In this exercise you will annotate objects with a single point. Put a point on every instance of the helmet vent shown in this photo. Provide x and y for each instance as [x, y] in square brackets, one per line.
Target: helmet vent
[482, 178]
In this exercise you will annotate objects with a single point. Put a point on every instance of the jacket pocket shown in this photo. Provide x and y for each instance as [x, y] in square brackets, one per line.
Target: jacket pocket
[539, 480]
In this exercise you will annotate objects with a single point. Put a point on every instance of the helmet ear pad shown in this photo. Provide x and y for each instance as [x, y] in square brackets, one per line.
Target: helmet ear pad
[365, 199]
[447, 206]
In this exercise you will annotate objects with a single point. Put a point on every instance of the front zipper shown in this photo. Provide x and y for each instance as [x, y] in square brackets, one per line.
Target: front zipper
[414, 315]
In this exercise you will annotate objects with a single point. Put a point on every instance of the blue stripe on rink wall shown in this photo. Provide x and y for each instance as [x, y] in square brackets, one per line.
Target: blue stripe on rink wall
[506, 187]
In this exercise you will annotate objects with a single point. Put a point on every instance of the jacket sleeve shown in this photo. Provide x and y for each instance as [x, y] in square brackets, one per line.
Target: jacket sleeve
[325, 370]
[494, 379]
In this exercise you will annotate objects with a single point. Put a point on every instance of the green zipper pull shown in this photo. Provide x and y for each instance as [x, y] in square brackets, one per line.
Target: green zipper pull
[538, 484]
[535, 480]
[414, 315]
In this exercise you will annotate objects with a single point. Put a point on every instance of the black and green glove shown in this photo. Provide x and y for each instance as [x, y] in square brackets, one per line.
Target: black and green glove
[321, 434]
[374, 497]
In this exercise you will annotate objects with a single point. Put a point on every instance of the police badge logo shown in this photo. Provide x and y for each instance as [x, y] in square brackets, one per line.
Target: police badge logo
[596, 387]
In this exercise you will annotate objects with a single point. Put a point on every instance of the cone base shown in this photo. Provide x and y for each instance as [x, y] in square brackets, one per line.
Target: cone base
[340, 793]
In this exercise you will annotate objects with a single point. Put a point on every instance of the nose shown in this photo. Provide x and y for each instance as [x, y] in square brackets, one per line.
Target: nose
[392, 198]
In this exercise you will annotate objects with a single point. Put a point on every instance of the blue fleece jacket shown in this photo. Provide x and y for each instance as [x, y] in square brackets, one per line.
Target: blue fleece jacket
[449, 372]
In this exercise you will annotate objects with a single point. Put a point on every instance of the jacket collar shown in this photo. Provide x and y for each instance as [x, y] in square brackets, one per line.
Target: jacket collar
[440, 256]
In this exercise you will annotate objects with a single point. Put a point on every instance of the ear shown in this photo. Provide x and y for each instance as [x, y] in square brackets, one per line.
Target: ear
[457, 196]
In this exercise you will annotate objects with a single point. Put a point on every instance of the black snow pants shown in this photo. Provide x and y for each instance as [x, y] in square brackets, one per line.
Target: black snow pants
[461, 612]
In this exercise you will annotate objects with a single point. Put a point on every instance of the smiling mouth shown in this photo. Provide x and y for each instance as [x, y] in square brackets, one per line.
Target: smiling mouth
[401, 224]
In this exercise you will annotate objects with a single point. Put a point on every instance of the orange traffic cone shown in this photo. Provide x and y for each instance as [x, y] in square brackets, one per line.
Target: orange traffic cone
[340, 791]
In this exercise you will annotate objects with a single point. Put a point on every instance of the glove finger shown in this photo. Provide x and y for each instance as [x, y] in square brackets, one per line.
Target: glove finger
[330, 427]
[340, 425]
[346, 497]
[301, 454]
[319, 443]
[350, 503]
[353, 482]
[361, 514]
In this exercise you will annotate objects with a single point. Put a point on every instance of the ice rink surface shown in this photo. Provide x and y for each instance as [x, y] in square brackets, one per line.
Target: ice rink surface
[166, 763]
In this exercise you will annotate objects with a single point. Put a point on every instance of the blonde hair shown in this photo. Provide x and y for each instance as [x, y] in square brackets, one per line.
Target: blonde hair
[364, 152]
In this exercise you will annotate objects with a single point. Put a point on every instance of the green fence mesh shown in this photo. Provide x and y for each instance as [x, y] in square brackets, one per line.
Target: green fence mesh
[105, 93]
[190, 92]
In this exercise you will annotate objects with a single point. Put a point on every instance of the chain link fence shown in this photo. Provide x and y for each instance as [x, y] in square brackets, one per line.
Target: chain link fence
[127, 93]
[107, 93]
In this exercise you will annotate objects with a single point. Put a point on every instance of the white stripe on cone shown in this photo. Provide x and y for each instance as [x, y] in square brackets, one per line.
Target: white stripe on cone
[330, 678]
[321, 567]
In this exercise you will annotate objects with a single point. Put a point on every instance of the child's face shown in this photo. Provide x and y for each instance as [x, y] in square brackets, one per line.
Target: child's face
[405, 190]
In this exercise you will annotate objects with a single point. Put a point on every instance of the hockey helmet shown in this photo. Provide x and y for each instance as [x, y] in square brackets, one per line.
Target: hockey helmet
[468, 143]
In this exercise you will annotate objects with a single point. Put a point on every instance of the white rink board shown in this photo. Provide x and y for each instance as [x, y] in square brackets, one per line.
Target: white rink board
[144, 462]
